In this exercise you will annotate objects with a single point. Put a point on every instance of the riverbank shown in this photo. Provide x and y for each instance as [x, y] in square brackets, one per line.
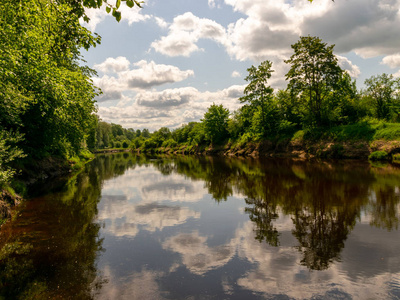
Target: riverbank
[355, 141]
[33, 171]
[289, 148]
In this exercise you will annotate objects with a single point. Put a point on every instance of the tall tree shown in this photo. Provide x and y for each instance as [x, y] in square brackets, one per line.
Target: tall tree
[384, 90]
[313, 75]
[260, 97]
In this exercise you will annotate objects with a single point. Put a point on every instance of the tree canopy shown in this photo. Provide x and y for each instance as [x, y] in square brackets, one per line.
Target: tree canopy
[314, 74]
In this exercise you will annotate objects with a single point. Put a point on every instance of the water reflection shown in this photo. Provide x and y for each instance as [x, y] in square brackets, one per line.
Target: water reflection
[135, 227]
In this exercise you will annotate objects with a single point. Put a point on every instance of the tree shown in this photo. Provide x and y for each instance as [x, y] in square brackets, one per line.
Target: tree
[216, 123]
[384, 90]
[78, 6]
[313, 75]
[261, 99]
[45, 94]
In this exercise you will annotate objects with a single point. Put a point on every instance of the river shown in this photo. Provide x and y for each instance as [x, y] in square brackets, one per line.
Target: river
[136, 227]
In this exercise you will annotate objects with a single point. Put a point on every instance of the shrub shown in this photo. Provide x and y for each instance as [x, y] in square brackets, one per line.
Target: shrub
[378, 155]
[396, 158]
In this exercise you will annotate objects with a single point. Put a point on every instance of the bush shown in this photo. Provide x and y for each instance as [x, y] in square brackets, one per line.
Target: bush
[169, 143]
[117, 144]
[378, 155]
[125, 144]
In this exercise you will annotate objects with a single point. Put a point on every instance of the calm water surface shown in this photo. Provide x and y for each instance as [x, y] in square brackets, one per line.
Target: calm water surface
[133, 227]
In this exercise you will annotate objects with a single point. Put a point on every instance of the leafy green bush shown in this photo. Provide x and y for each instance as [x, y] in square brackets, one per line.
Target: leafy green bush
[125, 144]
[378, 155]
[169, 143]
[396, 158]
[387, 131]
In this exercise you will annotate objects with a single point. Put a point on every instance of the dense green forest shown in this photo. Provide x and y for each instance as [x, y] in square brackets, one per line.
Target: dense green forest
[47, 106]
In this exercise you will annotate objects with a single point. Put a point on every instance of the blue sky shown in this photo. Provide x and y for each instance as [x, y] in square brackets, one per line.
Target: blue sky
[165, 64]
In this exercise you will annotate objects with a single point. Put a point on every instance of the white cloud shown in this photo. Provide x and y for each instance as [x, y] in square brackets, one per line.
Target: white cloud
[144, 75]
[161, 22]
[347, 65]
[393, 61]
[197, 256]
[139, 285]
[235, 74]
[150, 74]
[113, 65]
[184, 33]
[166, 98]
[110, 86]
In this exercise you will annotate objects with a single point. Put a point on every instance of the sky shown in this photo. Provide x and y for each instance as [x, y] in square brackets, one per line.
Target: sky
[165, 64]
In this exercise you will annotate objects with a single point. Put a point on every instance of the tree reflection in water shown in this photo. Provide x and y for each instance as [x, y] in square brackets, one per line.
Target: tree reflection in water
[323, 199]
[49, 251]
[324, 202]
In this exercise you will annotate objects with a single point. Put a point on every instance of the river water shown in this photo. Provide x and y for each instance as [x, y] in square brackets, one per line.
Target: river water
[135, 227]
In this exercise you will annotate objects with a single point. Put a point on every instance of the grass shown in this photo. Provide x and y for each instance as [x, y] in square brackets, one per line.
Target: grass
[363, 131]
[79, 160]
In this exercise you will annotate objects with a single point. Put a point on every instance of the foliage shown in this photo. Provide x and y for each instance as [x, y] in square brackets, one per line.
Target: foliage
[8, 153]
[384, 91]
[313, 75]
[40, 46]
[78, 7]
[378, 155]
[259, 95]
[216, 123]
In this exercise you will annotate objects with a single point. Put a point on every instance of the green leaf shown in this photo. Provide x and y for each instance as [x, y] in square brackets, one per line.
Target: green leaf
[118, 16]
[130, 3]
[108, 9]
[118, 4]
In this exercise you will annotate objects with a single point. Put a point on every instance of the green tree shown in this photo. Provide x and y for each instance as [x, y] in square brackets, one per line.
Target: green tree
[49, 95]
[313, 75]
[384, 90]
[216, 123]
[260, 97]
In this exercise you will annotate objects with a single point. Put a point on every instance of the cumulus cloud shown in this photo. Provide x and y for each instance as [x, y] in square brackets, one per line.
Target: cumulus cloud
[110, 86]
[113, 65]
[272, 25]
[347, 65]
[143, 75]
[269, 27]
[166, 98]
[150, 74]
[393, 61]
[184, 33]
